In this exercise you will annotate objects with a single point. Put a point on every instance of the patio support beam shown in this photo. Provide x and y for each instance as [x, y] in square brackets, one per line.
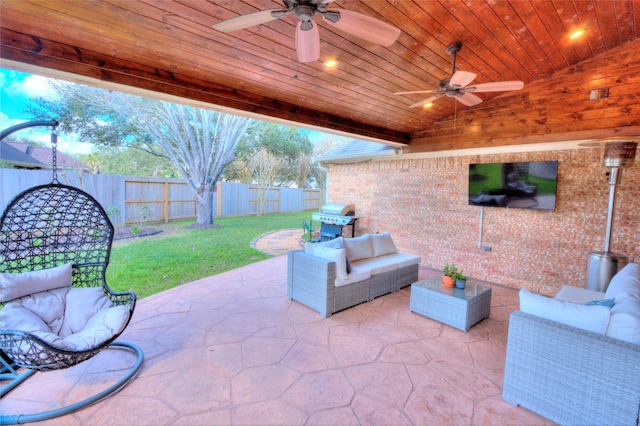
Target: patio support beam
[53, 55]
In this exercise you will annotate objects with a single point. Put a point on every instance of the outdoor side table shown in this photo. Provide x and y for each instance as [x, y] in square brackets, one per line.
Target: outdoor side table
[459, 308]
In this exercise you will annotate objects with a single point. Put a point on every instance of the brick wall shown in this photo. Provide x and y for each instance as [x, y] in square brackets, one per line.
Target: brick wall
[424, 204]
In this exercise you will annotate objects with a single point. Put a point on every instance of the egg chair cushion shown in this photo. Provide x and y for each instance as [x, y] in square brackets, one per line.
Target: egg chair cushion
[68, 318]
[14, 286]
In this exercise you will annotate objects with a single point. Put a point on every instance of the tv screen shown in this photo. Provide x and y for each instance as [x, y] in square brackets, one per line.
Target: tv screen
[525, 185]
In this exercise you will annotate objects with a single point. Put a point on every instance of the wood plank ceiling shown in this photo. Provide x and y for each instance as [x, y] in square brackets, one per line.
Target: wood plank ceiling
[169, 46]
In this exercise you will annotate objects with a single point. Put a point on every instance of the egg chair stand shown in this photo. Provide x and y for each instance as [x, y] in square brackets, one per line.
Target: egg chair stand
[17, 378]
[49, 231]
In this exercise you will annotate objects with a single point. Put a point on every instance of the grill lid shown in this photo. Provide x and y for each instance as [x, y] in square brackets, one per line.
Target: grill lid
[339, 209]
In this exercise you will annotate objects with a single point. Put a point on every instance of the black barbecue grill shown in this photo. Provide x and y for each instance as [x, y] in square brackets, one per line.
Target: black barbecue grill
[333, 217]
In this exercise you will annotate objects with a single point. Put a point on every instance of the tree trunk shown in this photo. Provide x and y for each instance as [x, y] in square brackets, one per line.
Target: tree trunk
[204, 207]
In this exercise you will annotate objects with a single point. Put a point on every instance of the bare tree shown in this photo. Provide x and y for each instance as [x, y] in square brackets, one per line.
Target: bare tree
[200, 142]
[303, 170]
[266, 168]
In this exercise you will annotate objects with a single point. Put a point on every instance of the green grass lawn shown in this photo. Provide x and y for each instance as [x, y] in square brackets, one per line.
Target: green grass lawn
[149, 266]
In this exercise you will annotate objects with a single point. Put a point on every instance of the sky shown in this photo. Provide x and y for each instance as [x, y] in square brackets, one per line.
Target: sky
[15, 90]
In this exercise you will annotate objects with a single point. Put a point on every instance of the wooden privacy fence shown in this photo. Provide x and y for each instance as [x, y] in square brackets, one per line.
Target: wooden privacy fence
[157, 200]
[134, 199]
[238, 199]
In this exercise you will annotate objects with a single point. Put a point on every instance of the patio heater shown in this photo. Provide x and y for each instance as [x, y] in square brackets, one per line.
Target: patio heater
[603, 265]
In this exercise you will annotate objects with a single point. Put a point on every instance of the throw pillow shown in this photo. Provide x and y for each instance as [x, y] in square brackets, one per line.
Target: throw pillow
[593, 318]
[334, 255]
[15, 286]
[625, 318]
[626, 280]
[382, 244]
[310, 248]
[358, 248]
[339, 245]
[604, 302]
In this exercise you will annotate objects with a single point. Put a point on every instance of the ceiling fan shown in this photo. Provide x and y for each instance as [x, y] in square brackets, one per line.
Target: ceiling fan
[457, 86]
[307, 36]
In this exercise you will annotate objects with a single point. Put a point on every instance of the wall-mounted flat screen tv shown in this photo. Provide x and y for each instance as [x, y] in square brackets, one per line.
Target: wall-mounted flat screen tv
[525, 185]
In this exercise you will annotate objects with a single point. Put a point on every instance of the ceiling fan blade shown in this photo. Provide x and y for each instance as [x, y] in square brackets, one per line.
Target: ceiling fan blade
[365, 27]
[469, 99]
[417, 91]
[307, 42]
[244, 21]
[461, 78]
[496, 86]
[426, 101]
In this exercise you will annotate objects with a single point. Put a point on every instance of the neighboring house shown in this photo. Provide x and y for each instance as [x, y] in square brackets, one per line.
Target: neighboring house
[355, 150]
[16, 158]
[25, 156]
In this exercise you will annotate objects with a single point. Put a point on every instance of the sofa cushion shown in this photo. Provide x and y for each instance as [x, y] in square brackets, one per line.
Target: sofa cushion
[382, 244]
[309, 248]
[593, 318]
[15, 286]
[625, 318]
[334, 255]
[377, 265]
[358, 248]
[404, 259]
[624, 326]
[357, 274]
[578, 294]
[626, 280]
[339, 245]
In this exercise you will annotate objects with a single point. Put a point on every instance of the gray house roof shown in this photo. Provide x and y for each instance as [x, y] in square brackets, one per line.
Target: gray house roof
[357, 150]
[33, 157]
[45, 156]
[17, 158]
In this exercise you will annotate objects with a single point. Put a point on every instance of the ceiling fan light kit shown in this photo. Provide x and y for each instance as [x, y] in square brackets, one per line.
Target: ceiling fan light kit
[307, 37]
[457, 86]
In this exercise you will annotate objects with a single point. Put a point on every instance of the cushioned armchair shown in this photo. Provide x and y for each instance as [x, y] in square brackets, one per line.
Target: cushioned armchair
[578, 363]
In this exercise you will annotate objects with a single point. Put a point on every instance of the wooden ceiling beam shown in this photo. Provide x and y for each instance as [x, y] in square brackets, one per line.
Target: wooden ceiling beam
[50, 54]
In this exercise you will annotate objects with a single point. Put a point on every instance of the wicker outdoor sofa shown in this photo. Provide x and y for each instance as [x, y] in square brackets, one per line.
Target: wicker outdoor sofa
[572, 375]
[337, 274]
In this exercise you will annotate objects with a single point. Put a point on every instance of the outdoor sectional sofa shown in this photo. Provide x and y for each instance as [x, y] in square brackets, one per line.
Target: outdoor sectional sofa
[334, 275]
[575, 358]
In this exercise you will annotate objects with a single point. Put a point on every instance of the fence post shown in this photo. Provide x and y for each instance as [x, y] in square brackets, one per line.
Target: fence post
[219, 199]
[165, 207]
[279, 199]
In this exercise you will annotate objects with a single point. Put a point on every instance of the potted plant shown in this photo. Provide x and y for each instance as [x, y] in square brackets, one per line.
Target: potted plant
[460, 279]
[448, 277]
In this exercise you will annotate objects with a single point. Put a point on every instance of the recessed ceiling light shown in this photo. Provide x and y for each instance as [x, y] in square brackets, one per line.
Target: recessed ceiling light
[574, 35]
[330, 64]
[427, 105]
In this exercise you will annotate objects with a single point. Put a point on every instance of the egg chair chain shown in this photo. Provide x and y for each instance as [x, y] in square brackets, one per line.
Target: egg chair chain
[54, 155]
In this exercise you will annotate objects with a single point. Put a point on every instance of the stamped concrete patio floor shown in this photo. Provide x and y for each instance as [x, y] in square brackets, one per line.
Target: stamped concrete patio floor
[232, 349]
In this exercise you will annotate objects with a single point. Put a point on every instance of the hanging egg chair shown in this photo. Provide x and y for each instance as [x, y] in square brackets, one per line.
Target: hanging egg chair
[56, 308]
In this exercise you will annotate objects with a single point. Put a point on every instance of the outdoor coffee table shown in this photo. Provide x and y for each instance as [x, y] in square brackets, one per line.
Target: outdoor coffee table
[459, 308]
